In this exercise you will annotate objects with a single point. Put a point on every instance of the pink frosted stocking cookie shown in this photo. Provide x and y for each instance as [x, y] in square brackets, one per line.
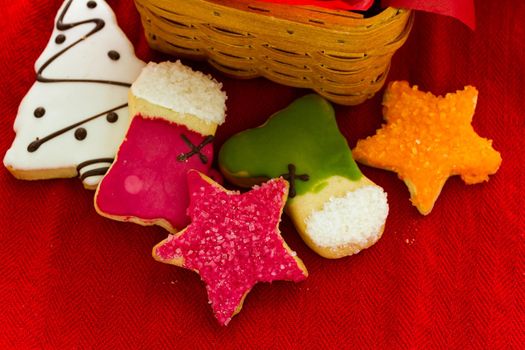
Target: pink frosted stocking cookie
[233, 242]
[175, 114]
[75, 115]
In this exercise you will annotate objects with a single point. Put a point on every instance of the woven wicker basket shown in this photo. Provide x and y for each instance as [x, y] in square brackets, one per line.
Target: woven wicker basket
[340, 55]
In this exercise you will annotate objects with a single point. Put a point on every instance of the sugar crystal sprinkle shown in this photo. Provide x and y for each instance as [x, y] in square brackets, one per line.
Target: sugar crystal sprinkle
[236, 245]
[428, 138]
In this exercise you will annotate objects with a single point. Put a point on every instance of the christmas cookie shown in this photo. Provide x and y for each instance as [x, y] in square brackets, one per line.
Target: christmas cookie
[75, 115]
[426, 139]
[233, 242]
[175, 114]
[335, 208]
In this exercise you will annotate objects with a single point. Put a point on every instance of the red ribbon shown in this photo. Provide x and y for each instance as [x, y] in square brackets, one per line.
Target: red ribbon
[459, 9]
[358, 5]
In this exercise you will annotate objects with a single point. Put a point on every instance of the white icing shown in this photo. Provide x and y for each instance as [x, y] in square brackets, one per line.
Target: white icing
[177, 87]
[67, 103]
[357, 218]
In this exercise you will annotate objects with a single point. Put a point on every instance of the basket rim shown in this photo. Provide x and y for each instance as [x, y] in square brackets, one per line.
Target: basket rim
[203, 29]
[253, 16]
[236, 20]
[254, 6]
[311, 15]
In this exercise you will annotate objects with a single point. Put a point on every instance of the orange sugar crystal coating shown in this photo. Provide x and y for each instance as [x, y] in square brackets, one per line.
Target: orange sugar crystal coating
[428, 138]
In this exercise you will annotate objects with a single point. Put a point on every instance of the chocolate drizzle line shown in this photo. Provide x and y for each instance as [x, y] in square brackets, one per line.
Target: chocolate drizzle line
[93, 172]
[291, 176]
[99, 24]
[33, 146]
[62, 26]
[94, 161]
[195, 149]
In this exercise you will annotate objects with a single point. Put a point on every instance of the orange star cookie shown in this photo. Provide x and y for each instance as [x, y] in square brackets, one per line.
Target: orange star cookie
[427, 139]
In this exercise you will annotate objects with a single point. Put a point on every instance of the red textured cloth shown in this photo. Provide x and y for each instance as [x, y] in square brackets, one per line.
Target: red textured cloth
[70, 278]
[460, 9]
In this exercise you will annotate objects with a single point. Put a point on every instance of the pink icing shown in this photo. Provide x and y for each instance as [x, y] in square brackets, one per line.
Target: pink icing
[233, 241]
[133, 184]
[147, 181]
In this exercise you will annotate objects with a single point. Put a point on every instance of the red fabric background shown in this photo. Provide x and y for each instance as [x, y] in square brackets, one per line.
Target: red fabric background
[460, 9]
[452, 280]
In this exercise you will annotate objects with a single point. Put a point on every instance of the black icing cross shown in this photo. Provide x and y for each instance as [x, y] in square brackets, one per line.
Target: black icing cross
[195, 149]
[291, 176]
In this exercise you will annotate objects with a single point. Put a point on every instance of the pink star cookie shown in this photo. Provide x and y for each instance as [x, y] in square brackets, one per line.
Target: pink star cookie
[233, 242]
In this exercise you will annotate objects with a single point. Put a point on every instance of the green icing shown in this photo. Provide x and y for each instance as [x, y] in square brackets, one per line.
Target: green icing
[319, 187]
[304, 134]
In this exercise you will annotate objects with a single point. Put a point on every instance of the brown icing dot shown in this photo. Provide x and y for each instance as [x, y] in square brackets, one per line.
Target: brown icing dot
[39, 112]
[112, 117]
[33, 146]
[60, 38]
[114, 55]
[80, 134]
[92, 4]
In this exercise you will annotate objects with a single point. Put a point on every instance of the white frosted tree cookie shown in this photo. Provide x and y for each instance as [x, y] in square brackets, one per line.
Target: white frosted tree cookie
[335, 208]
[75, 115]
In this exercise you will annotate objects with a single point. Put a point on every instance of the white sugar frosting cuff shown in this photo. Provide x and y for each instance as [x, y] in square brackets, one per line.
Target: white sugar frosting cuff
[177, 87]
[357, 218]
